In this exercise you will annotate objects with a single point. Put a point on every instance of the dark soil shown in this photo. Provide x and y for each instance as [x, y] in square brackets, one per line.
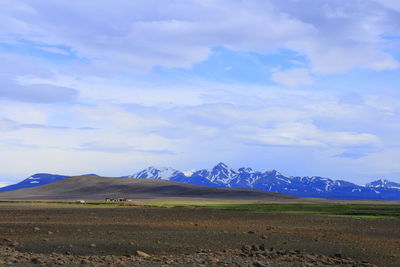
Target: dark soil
[51, 234]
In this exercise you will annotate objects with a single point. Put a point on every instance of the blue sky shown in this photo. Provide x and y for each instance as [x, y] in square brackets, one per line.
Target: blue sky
[304, 87]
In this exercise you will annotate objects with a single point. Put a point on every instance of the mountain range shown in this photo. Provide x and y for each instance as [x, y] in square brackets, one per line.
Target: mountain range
[223, 176]
[271, 180]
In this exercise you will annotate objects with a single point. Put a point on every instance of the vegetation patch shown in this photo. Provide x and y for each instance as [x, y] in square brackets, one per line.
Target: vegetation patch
[367, 211]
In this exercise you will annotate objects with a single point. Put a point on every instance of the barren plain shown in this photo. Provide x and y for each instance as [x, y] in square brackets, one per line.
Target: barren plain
[110, 235]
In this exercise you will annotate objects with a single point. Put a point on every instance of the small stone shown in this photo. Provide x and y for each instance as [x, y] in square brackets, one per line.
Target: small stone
[14, 244]
[108, 259]
[246, 248]
[45, 239]
[264, 237]
[92, 245]
[85, 262]
[142, 254]
[60, 262]
[50, 233]
[36, 261]
[214, 260]
[36, 229]
[251, 232]
[258, 264]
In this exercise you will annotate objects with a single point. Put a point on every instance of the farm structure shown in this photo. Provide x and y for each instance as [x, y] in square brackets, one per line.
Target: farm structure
[118, 199]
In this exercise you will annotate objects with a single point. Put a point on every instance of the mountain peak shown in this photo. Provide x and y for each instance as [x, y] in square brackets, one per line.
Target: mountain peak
[245, 169]
[221, 165]
[34, 180]
[273, 172]
[156, 173]
[383, 183]
[379, 182]
[189, 173]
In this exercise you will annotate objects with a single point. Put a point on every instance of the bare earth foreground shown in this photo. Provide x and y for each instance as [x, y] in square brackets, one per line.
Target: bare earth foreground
[56, 234]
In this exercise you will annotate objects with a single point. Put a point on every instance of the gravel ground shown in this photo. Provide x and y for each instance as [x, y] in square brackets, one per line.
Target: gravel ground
[255, 255]
[65, 235]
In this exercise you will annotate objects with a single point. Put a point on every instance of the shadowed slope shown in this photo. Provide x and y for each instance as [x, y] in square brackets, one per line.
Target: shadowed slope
[97, 188]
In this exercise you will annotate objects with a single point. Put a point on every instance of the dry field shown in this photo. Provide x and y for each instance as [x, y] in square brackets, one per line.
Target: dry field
[64, 234]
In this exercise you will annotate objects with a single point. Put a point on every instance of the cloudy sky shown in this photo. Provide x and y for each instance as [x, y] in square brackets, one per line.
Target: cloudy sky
[306, 87]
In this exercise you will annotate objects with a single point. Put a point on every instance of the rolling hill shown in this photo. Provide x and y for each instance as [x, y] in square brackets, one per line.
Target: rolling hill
[98, 188]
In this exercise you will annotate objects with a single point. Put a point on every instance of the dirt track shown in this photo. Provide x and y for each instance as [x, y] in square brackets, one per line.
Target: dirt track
[177, 231]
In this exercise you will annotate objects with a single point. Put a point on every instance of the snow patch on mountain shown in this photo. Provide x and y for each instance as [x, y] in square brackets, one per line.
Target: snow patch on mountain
[3, 184]
[189, 173]
[383, 183]
[164, 173]
[34, 181]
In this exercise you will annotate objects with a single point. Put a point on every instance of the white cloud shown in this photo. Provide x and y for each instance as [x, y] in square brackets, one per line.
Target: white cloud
[140, 120]
[293, 77]
[392, 4]
[54, 50]
[25, 113]
[302, 134]
[385, 64]
[131, 136]
[135, 36]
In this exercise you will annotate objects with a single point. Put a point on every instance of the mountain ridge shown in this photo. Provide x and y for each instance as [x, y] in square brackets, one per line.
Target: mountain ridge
[35, 180]
[222, 176]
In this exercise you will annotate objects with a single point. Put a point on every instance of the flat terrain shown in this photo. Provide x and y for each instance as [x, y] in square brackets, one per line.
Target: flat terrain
[194, 235]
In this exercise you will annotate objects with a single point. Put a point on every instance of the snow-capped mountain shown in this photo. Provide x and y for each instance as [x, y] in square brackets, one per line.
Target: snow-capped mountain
[271, 180]
[382, 183]
[156, 173]
[37, 180]
[222, 175]
[33, 181]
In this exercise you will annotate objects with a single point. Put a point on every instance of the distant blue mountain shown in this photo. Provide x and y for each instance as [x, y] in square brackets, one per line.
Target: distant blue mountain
[223, 176]
[271, 180]
[34, 181]
[37, 180]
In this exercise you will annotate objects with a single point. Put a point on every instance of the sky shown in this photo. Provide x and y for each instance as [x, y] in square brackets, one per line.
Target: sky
[111, 87]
